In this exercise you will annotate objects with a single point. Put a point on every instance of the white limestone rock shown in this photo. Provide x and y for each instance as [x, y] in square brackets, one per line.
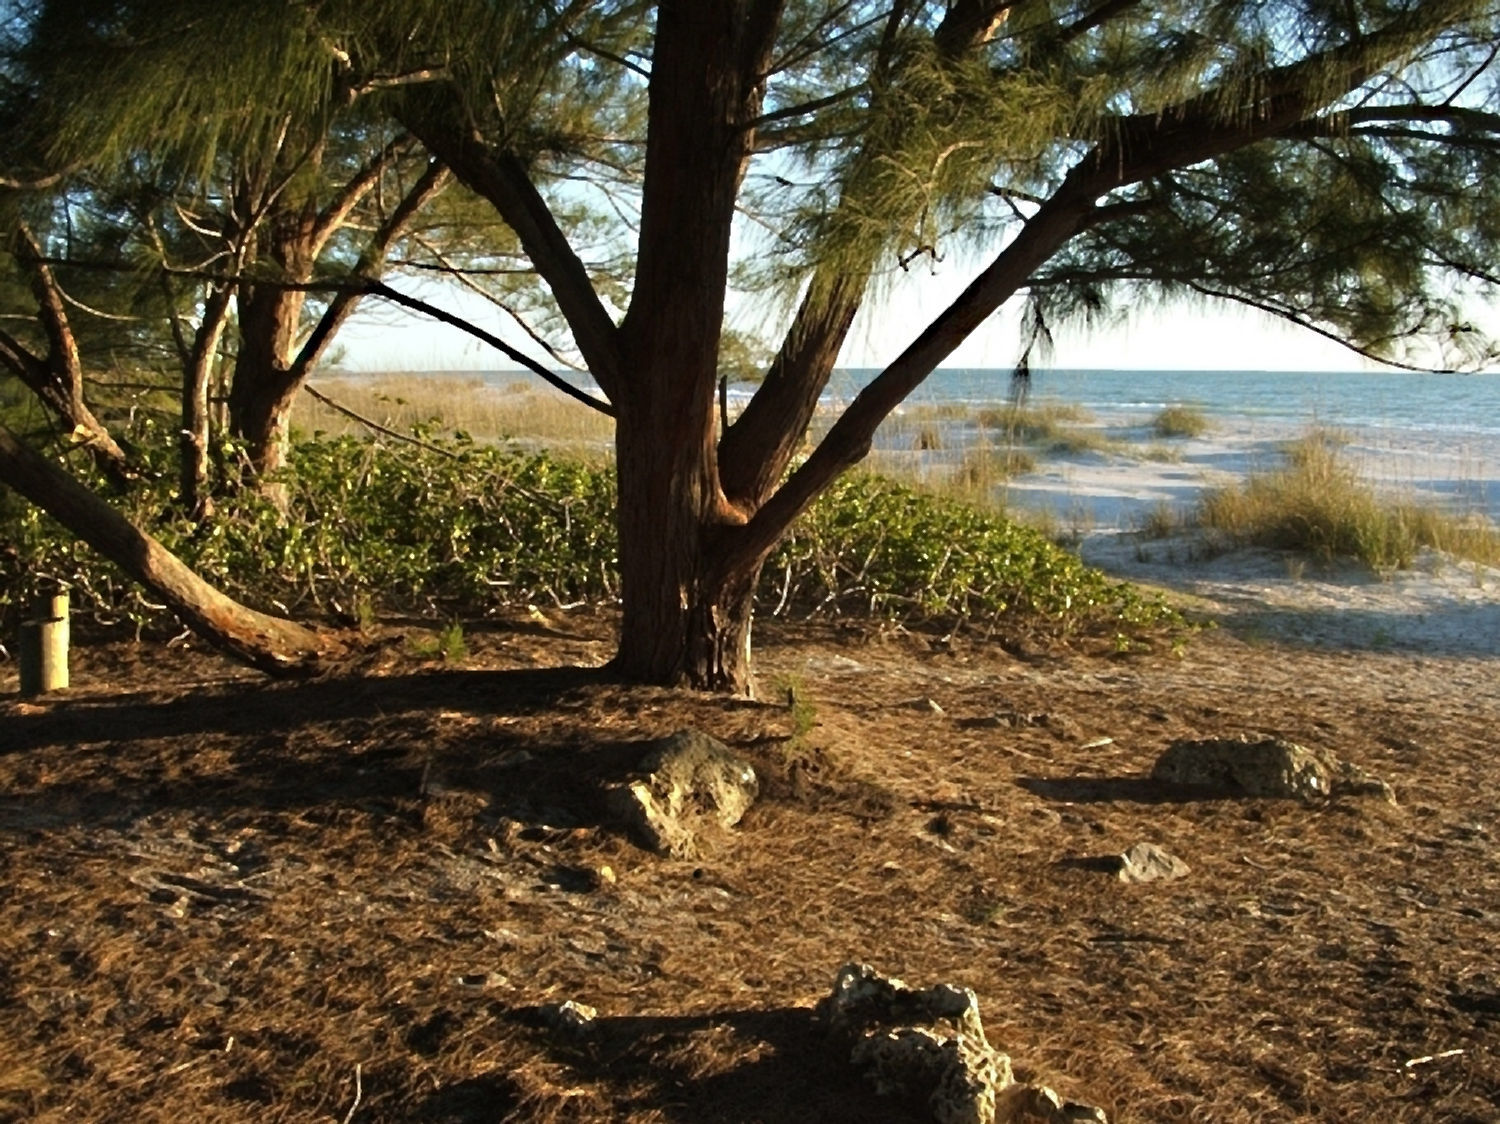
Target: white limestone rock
[687, 787]
[930, 1046]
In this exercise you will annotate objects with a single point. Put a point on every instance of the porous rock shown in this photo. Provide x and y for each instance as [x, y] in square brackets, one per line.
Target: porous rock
[929, 1046]
[686, 787]
[1259, 766]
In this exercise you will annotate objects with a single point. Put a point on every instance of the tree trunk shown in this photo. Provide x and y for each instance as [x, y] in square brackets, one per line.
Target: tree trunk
[686, 591]
[265, 382]
[57, 380]
[685, 587]
[194, 436]
[274, 645]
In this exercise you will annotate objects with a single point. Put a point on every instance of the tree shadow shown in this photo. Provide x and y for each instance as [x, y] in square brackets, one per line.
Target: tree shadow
[252, 707]
[773, 1066]
[1116, 790]
[389, 746]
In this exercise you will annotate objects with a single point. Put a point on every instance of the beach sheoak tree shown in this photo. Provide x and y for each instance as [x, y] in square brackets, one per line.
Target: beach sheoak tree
[1330, 161]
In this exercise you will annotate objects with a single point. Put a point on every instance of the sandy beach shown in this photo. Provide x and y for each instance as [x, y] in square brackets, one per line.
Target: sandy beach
[1441, 605]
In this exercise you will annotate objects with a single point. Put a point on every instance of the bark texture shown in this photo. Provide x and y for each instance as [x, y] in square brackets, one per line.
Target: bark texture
[57, 378]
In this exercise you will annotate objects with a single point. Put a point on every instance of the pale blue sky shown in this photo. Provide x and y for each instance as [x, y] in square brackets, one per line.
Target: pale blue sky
[1192, 337]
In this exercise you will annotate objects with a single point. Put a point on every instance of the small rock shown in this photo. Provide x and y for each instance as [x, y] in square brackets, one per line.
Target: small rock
[926, 704]
[568, 1016]
[687, 784]
[1265, 767]
[1146, 862]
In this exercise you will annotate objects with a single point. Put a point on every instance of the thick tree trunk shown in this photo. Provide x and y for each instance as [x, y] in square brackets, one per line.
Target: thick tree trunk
[687, 592]
[686, 588]
[276, 646]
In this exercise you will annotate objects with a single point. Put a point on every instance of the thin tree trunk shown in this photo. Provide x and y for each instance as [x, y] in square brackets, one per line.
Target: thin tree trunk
[195, 437]
[274, 645]
[57, 380]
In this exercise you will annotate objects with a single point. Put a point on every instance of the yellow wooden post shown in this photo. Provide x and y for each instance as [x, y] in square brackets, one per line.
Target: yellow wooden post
[43, 654]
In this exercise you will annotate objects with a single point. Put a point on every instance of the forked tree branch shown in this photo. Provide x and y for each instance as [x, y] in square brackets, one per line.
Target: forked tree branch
[502, 178]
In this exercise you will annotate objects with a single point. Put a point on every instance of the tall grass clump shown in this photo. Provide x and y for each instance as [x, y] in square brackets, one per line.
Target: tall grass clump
[1180, 421]
[1317, 504]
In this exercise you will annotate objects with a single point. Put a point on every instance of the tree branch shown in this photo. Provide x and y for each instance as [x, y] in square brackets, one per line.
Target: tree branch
[338, 209]
[849, 439]
[501, 178]
[429, 184]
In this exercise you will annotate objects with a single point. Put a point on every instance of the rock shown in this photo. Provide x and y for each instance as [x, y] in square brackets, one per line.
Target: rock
[567, 1016]
[930, 705]
[688, 785]
[929, 1046]
[1146, 862]
[1254, 765]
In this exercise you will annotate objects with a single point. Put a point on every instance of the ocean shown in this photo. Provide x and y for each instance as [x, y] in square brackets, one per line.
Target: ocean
[1432, 438]
[1466, 406]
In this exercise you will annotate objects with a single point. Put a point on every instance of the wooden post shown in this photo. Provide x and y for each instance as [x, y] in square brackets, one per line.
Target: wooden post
[43, 654]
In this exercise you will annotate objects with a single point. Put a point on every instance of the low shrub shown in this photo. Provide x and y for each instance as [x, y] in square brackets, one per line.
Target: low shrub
[875, 547]
[456, 530]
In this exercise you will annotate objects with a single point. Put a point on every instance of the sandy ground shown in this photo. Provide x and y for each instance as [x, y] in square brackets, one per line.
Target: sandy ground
[1441, 606]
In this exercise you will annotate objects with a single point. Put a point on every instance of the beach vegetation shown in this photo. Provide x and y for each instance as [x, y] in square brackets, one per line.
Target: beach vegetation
[1160, 521]
[1159, 452]
[1034, 424]
[1180, 421]
[605, 157]
[521, 411]
[452, 530]
[1316, 503]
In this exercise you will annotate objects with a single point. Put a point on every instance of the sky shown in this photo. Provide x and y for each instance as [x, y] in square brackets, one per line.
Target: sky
[1183, 337]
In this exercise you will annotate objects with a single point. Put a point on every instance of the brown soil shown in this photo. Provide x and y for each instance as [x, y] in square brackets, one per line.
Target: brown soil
[226, 899]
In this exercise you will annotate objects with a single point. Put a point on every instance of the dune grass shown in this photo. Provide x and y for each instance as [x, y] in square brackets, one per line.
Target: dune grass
[1317, 504]
[1039, 424]
[1180, 421]
[523, 410]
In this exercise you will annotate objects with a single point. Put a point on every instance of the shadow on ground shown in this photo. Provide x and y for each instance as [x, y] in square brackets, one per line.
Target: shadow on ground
[770, 1066]
[1113, 790]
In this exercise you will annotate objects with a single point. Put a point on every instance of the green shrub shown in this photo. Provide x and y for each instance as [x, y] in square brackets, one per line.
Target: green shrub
[458, 530]
[874, 547]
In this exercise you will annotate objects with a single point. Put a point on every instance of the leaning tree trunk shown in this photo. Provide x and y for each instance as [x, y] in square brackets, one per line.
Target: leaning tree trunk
[274, 645]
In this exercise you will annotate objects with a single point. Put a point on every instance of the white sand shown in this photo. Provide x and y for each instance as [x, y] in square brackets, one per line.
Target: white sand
[1441, 606]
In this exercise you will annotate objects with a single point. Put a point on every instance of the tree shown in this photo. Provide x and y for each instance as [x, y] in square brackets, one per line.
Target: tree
[1330, 162]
